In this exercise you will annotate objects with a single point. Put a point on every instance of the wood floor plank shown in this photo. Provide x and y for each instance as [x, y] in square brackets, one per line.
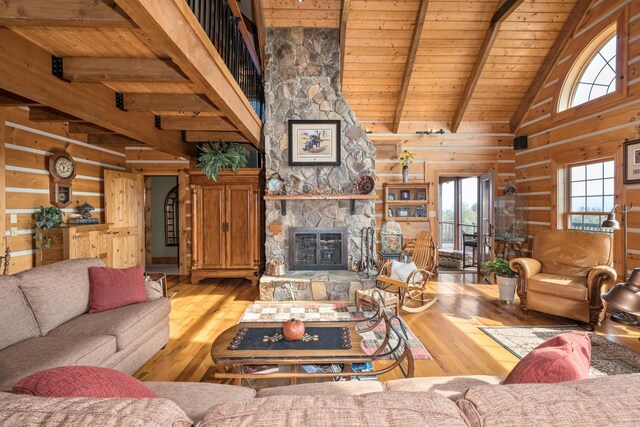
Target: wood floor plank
[449, 329]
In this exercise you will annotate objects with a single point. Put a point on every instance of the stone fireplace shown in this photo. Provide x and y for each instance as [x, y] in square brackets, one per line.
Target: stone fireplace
[302, 81]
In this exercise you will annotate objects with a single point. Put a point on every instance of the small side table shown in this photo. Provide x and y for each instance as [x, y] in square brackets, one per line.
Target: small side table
[508, 245]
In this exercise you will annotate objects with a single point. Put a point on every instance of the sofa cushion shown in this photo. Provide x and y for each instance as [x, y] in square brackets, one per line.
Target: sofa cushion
[16, 318]
[58, 292]
[196, 398]
[35, 354]
[111, 288]
[563, 286]
[373, 409]
[124, 323]
[451, 387]
[330, 388]
[23, 410]
[82, 381]
[592, 402]
[565, 357]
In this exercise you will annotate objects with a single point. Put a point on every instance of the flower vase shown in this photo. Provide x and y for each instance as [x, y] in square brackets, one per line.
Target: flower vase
[405, 174]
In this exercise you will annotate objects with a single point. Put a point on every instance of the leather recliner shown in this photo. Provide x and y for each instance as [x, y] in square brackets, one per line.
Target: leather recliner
[567, 274]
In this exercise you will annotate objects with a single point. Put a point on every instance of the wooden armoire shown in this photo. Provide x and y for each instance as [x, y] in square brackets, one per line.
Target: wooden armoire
[226, 225]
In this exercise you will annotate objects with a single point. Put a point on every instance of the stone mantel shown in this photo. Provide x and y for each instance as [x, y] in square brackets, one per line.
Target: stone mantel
[293, 197]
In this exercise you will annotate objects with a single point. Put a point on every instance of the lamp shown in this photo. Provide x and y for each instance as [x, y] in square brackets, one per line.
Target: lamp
[623, 296]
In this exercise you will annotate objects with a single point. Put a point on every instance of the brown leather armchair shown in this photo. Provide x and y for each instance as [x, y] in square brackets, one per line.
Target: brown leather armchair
[567, 274]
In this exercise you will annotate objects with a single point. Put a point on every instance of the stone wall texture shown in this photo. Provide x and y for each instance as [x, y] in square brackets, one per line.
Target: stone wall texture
[302, 81]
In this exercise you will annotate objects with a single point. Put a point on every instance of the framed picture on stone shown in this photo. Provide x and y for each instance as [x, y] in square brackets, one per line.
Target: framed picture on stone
[314, 142]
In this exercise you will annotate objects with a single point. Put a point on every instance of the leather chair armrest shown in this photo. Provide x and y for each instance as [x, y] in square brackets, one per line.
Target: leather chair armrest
[526, 267]
[600, 275]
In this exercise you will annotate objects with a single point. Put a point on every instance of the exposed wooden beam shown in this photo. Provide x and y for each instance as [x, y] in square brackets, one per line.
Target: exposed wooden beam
[248, 41]
[258, 18]
[62, 13]
[204, 136]
[411, 60]
[574, 19]
[345, 8]
[46, 114]
[87, 69]
[167, 102]
[174, 29]
[26, 71]
[8, 99]
[88, 128]
[111, 140]
[195, 123]
[502, 12]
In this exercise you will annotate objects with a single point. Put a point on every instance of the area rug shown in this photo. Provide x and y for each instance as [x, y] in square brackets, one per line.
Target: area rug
[607, 357]
[332, 312]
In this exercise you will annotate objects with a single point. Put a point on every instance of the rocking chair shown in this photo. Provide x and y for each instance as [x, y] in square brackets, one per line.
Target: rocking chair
[411, 295]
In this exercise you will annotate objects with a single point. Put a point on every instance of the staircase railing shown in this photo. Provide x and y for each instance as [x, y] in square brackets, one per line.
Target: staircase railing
[223, 28]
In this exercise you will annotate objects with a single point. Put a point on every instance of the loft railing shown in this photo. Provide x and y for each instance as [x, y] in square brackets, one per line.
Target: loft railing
[224, 31]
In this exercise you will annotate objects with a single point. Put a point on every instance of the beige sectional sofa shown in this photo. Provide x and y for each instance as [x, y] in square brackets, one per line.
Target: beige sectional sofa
[44, 323]
[435, 401]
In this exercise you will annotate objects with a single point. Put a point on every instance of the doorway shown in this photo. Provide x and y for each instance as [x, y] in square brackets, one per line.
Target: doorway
[162, 238]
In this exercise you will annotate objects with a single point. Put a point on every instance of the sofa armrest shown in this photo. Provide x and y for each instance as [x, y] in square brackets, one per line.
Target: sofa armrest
[526, 267]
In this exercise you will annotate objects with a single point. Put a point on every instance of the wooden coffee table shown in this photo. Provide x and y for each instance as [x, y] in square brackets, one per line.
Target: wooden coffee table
[230, 361]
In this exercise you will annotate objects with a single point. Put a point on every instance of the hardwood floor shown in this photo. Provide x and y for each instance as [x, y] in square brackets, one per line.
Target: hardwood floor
[449, 329]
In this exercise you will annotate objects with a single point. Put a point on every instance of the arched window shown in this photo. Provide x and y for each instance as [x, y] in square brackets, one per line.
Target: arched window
[594, 73]
[171, 236]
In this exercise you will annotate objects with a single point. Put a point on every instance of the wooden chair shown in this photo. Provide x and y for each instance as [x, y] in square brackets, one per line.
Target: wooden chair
[410, 295]
[469, 241]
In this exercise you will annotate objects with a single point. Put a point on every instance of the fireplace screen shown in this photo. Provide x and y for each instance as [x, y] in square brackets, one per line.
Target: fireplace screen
[317, 248]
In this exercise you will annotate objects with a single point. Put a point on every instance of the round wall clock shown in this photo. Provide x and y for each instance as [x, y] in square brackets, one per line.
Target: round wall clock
[62, 170]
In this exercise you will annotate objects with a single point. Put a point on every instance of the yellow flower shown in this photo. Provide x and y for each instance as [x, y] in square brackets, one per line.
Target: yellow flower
[406, 157]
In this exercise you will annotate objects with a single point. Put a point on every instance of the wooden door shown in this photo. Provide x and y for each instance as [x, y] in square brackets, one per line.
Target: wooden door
[124, 211]
[240, 230]
[211, 247]
[485, 218]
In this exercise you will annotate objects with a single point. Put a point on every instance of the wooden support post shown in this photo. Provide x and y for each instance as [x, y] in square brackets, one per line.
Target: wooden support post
[196, 123]
[258, 19]
[88, 128]
[112, 140]
[206, 136]
[8, 99]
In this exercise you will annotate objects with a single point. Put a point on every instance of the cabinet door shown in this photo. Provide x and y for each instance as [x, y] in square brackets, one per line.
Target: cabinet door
[82, 246]
[210, 224]
[240, 228]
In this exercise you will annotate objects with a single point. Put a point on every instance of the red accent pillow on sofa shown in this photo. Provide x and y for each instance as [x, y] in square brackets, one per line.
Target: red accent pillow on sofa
[82, 381]
[111, 288]
[565, 357]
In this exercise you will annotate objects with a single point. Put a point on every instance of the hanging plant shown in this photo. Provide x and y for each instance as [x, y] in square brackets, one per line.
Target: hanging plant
[46, 219]
[216, 156]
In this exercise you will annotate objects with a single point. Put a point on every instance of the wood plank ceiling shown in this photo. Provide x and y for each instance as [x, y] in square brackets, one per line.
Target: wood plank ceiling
[120, 45]
[467, 71]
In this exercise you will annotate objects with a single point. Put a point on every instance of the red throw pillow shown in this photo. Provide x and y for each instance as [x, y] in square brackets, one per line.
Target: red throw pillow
[565, 357]
[111, 288]
[82, 381]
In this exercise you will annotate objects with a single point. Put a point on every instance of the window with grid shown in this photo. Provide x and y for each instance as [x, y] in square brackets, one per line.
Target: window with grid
[599, 75]
[590, 191]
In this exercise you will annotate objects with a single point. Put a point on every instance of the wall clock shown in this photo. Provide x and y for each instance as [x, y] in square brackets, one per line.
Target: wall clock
[62, 170]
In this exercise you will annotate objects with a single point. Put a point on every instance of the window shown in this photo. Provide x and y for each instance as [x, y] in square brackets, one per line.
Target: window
[458, 210]
[591, 193]
[599, 76]
[594, 72]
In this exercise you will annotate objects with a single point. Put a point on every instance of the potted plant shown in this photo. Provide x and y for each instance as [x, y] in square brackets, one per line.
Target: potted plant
[46, 219]
[216, 156]
[506, 278]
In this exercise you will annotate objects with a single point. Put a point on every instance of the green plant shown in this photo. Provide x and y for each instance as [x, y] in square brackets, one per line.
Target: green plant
[222, 155]
[46, 219]
[499, 266]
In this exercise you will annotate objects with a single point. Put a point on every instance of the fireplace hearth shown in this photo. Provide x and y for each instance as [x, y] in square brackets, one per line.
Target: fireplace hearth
[313, 248]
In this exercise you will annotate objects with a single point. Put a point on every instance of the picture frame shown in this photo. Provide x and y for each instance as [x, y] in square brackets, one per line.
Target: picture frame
[403, 212]
[421, 196]
[391, 196]
[405, 195]
[314, 142]
[631, 162]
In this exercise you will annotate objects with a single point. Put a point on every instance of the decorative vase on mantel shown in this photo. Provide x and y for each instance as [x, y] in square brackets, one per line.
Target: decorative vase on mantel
[405, 174]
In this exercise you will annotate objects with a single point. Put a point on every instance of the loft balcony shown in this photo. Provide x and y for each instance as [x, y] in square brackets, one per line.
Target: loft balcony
[167, 73]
